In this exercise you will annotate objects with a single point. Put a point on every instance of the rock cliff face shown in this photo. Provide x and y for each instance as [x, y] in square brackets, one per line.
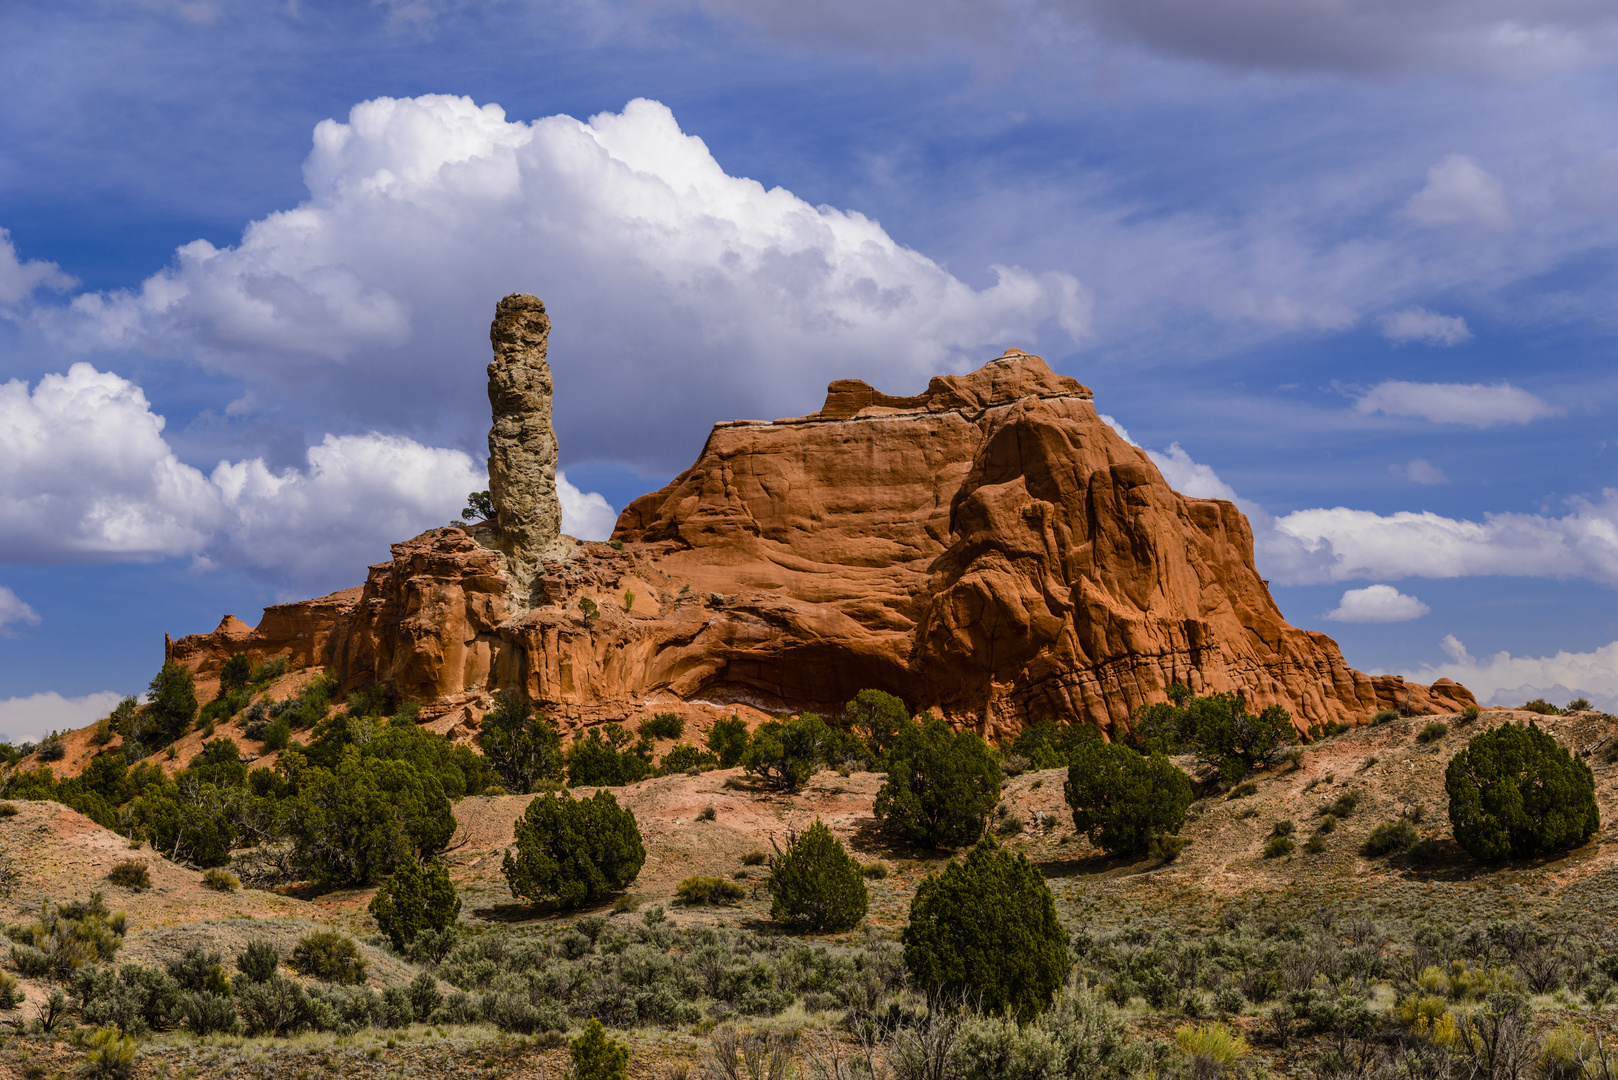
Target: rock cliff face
[989, 549]
[522, 442]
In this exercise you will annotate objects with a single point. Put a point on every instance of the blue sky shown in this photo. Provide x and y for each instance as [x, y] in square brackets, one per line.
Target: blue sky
[1353, 266]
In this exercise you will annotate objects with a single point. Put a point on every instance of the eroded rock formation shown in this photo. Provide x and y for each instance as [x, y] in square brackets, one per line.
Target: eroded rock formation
[522, 442]
[989, 549]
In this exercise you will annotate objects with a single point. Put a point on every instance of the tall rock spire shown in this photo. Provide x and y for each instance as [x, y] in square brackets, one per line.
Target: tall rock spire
[522, 442]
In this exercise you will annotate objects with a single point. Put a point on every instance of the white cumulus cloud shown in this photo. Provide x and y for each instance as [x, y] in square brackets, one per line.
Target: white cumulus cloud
[1455, 403]
[678, 293]
[85, 474]
[27, 719]
[1377, 604]
[1459, 191]
[1504, 679]
[1428, 327]
[14, 610]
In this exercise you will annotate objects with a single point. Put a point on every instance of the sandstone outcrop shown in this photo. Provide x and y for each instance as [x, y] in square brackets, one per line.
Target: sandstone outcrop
[522, 442]
[989, 549]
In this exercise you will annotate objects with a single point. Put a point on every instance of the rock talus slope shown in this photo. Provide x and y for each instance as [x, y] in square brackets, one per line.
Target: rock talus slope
[989, 549]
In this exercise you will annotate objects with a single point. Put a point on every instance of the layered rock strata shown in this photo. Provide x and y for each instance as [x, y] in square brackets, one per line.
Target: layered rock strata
[522, 442]
[989, 549]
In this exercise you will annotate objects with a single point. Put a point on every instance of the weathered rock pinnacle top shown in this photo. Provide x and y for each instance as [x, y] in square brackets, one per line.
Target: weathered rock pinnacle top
[522, 443]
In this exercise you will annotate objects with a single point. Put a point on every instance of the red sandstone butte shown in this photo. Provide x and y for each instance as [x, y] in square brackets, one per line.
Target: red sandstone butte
[988, 549]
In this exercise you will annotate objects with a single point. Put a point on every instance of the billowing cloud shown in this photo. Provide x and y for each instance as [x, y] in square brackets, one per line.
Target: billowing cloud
[1377, 604]
[1417, 324]
[85, 474]
[19, 280]
[1456, 403]
[28, 719]
[1362, 544]
[1504, 679]
[1459, 191]
[14, 610]
[678, 293]
[1420, 471]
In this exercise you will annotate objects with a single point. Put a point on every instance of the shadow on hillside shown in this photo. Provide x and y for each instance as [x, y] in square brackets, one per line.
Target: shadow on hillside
[1098, 866]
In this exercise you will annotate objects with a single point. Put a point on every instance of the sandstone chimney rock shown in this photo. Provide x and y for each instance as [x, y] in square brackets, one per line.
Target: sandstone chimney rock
[522, 442]
[989, 549]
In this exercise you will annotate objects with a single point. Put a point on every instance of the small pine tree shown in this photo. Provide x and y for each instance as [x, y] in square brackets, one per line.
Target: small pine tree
[785, 754]
[523, 747]
[173, 704]
[1122, 799]
[414, 899]
[941, 786]
[986, 930]
[595, 1056]
[572, 851]
[1514, 793]
[815, 885]
[878, 717]
[234, 675]
[728, 740]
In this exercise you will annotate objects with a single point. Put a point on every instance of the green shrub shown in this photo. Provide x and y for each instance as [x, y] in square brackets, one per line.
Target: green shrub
[941, 787]
[784, 754]
[1277, 846]
[10, 995]
[1078, 1038]
[1384, 716]
[755, 858]
[1166, 847]
[665, 725]
[355, 823]
[1048, 745]
[1326, 824]
[132, 874]
[277, 734]
[1122, 799]
[111, 1055]
[8, 809]
[1432, 732]
[605, 758]
[1470, 713]
[328, 956]
[415, 899]
[51, 749]
[1515, 793]
[707, 813]
[685, 757]
[1342, 806]
[708, 890]
[1316, 844]
[1543, 707]
[1213, 1048]
[815, 885]
[728, 740]
[1230, 741]
[236, 674]
[259, 962]
[1390, 837]
[171, 706]
[1243, 790]
[594, 1056]
[221, 880]
[875, 870]
[1282, 828]
[985, 930]
[1578, 704]
[571, 852]
[523, 748]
